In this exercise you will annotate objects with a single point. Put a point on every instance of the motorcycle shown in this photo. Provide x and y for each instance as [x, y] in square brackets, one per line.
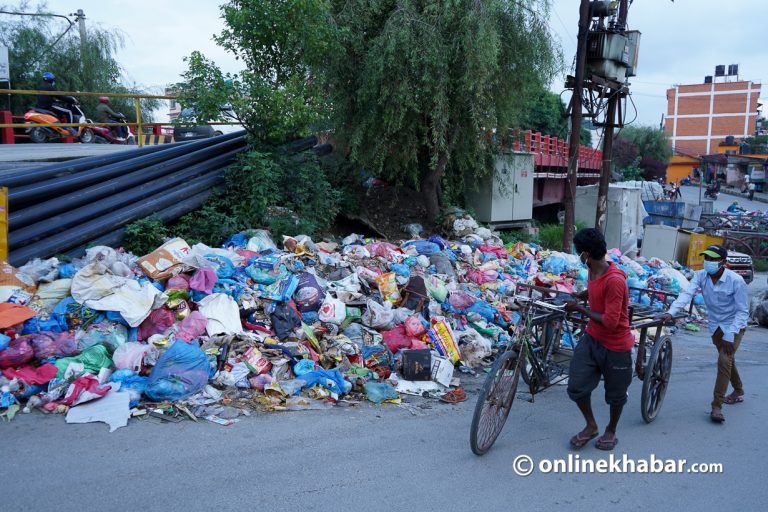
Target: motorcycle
[711, 193]
[40, 134]
[108, 134]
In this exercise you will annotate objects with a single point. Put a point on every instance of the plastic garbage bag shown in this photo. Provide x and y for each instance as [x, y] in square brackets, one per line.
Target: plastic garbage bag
[19, 352]
[41, 270]
[181, 371]
[159, 321]
[377, 316]
[222, 313]
[420, 247]
[93, 359]
[379, 392]
[134, 356]
[260, 241]
[192, 327]
[130, 383]
[346, 289]
[442, 264]
[474, 347]
[309, 294]
[332, 380]
[333, 310]
[109, 334]
[204, 280]
[222, 265]
[461, 300]
[398, 339]
[284, 320]
[436, 288]
[49, 344]
[414, 328]
[179, 282]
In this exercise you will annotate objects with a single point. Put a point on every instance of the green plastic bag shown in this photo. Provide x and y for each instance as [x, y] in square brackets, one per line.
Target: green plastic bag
[436, 288]
[94, 358]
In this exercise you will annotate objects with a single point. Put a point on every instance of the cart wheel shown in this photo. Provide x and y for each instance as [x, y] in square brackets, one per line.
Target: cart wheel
[494, 402]
[657, 373]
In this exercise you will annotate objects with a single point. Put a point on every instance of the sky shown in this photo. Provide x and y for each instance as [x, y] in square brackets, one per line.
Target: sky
[681, 41]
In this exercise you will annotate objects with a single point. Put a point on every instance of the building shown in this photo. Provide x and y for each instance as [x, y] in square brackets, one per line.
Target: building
[700, 116]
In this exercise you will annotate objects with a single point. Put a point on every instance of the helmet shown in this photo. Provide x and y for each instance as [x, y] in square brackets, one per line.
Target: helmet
[48, 76]
[103, 99]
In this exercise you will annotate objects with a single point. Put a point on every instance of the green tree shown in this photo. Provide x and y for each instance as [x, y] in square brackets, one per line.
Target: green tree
[650, 142]
[416, 83]
[282, 45]
[37, 44]
[546, 113]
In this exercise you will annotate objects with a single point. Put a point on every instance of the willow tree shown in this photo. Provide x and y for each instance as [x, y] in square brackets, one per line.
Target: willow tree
[417, 85]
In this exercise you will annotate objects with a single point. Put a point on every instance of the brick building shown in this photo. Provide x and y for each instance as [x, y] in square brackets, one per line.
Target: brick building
[700, 116]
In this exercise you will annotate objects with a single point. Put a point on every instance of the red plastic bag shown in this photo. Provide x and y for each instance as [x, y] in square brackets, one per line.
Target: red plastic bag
[398, 339]
[156, 323]
[18, 353]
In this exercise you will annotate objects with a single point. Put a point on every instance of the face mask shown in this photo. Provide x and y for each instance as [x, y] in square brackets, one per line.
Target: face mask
[711, 267]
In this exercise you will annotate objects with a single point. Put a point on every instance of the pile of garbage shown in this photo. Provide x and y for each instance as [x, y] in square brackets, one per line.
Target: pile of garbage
[215, 333]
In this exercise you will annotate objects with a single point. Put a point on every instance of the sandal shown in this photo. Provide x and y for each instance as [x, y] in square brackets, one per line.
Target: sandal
[454, 397]
[733, 399]
[603, 444]
[717, 416]
[578, 440]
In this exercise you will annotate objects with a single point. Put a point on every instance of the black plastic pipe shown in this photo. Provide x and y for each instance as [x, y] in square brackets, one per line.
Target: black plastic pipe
[56, 186]
[46, 209]
[81, 234]
[83, 214]
[115, 238]
[29, 176]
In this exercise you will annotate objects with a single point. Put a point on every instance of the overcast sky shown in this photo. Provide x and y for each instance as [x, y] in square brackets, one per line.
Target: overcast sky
[681, 41]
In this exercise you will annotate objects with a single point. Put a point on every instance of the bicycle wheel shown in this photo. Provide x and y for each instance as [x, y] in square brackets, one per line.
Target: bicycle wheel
[656, 379]
[494, 402]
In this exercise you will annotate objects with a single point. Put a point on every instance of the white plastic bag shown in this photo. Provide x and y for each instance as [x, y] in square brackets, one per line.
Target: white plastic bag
[222, 313]
[260, 241]
[332, 311]
[377, 316]
[131, 355]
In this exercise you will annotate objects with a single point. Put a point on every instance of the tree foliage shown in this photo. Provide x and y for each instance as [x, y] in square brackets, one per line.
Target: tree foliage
[34, 47]
[416, 83]
[641, 152]
[280, 92]
[546, 113]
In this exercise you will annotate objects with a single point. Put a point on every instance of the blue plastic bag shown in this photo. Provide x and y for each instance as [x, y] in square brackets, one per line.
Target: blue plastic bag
[332, 380]
[423, 247]
[130, 382]
[67, 271]
[181, 371]
[4, 341]
[224, 266]
[401, 270]
[377, 392]
[555, 265]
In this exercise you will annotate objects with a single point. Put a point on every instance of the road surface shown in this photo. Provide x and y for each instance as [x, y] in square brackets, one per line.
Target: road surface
[395, 458]
[691, 196]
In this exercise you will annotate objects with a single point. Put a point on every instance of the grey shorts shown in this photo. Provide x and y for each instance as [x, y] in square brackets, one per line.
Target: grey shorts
[591, 360]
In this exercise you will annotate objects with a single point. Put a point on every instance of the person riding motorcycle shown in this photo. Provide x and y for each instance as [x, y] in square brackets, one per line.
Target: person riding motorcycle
[48, 103]
[105, 114]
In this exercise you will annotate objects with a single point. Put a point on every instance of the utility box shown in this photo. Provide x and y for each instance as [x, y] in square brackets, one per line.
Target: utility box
[624, 215]
[666, 243]
[506, 196]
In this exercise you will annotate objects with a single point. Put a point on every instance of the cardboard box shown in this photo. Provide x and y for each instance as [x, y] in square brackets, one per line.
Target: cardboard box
[165, 261]
[417, 364]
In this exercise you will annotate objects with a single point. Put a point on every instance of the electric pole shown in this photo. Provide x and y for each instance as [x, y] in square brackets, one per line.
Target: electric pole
[573, 143]
[80, 19]
[615, 91]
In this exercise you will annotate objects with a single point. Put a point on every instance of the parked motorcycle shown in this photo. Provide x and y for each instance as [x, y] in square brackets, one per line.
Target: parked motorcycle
[108, 134]
[711, 193]
[40, 134]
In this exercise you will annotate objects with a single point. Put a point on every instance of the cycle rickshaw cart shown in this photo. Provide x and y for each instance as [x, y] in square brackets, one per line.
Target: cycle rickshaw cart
[536, 354]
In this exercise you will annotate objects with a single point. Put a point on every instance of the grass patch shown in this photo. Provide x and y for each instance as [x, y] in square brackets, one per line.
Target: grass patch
[760, 265]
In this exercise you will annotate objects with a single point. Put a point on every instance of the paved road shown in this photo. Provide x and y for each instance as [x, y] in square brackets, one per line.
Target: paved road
[56, 152]
[394, 458]
[691, 195]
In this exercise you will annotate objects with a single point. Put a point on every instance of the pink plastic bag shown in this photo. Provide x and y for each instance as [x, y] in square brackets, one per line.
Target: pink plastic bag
[179, 282]
[193, 326]
[203, 280]
[18, 353]
[414, 327]
[461, 299]
[156, 323]
[132, 356]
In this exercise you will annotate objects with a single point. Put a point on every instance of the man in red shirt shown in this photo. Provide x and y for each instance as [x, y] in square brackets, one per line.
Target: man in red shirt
[605, 350]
